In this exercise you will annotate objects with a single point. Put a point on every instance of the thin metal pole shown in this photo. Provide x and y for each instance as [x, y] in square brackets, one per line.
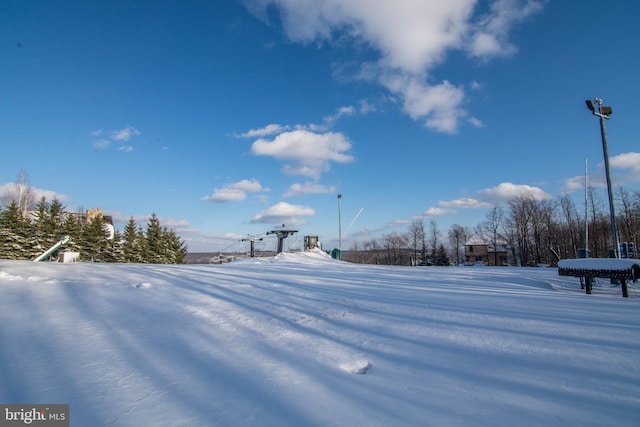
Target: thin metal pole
[586, 211]
[339, 226]
[612, 210]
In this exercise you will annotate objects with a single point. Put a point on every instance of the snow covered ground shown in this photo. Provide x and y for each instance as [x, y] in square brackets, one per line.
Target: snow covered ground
[304, 340]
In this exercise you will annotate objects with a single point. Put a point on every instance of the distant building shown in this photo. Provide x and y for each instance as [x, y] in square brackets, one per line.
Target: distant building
[478, 250]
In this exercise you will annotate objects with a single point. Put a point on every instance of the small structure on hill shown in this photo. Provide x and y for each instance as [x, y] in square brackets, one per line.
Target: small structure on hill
[311, 242]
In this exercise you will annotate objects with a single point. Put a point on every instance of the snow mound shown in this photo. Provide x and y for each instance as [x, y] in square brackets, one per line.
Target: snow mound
[313, 256]
[143, 285]
[358, 367]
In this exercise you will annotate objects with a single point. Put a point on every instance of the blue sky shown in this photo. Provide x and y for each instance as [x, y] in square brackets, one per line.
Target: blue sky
[230, 118]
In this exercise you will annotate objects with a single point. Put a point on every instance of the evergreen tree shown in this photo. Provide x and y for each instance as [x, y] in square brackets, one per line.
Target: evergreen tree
[155, 250]
[42, 240]
[95, 241]
[142, 245]
[115, 251]
[442, 257]
[72, 226]
[15, 233]
[48, 224]
[177, 250]
[132, 246]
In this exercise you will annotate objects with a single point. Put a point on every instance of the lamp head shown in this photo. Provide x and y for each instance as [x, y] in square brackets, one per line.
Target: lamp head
[590, 105]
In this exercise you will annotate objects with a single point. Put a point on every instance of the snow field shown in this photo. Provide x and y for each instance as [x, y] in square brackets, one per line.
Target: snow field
[301, 339]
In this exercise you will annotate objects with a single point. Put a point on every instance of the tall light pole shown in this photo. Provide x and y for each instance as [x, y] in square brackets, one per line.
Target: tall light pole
[605, 113]
[339, 226]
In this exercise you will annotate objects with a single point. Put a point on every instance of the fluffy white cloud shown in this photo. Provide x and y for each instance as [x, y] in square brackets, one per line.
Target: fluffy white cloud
[236, 191]
[311, 152]
[308, 188]
[465, 203]
[411, 38]
[508, 190]
[283, 213]
[490, 31]
[630, 161]
[439, 104]
[489, 197]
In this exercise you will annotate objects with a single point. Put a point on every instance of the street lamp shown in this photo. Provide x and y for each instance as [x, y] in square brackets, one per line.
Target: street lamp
[605, 113]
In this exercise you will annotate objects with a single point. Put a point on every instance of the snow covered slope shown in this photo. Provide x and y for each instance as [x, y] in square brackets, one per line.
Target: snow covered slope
[302, 339]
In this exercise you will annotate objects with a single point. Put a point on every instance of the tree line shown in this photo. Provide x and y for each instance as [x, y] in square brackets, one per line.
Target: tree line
[25, 234]
[533, 231]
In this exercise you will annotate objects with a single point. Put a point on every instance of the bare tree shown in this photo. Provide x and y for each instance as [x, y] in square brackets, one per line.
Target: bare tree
[458, 236]
[415, 237]
[393, 243]
[21, 193]
[628, 216]
[571, 225]
[491, 227]
[373, 246]
[434, 237]
[598, 233]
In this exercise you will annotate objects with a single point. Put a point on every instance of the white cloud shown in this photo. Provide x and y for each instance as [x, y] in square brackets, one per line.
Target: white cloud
[625, 169]
[283, 213]
[271, 129]
[465, 203]
[434, 211]
[342, 111]
[438, 104]
[101, 144]
[508, 190]
[124, 134]
[475, 122]
[236, 191]
[311, 152]
[308, 188]
[10, 189]
[626, 161]
[411, 38]
[490, 197]
[126, 148]
[489, 37]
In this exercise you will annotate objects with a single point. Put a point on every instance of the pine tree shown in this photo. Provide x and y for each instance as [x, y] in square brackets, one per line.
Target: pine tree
[177, 250]
[72, 227]
[94, 244]
[42, 240]
[153, 237]
[132, 249]
[142, 245]
[442, 257]
[15, 233]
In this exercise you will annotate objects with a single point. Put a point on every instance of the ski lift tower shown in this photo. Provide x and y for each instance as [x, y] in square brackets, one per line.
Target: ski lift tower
[252, 240]
[282, 234]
